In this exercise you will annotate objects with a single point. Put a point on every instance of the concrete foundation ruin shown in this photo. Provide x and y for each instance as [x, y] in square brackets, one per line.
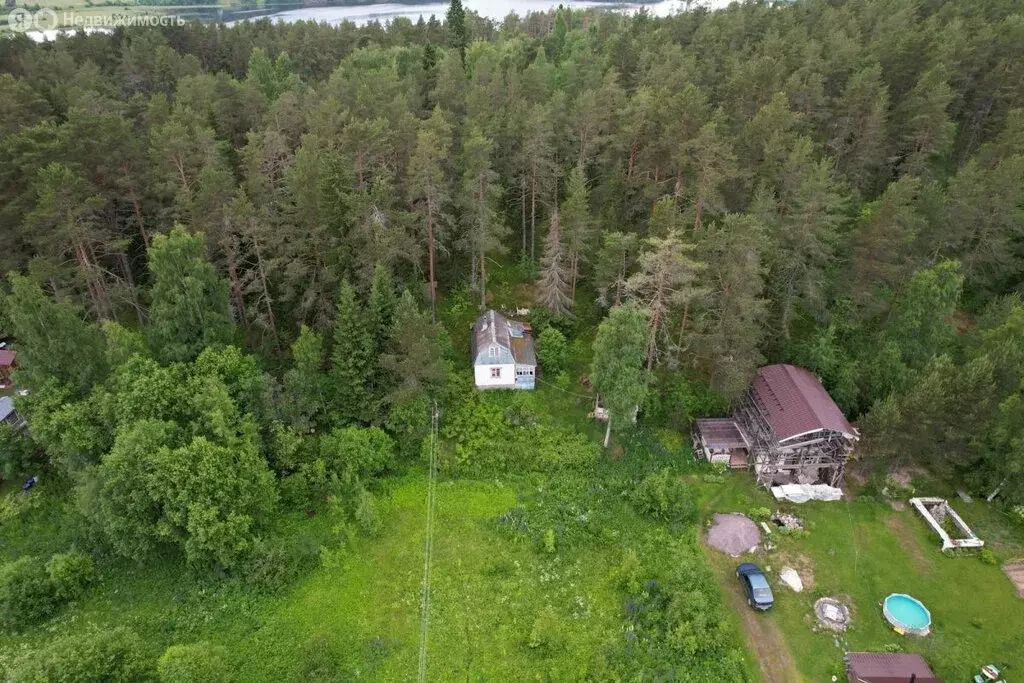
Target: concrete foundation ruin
[936, 512]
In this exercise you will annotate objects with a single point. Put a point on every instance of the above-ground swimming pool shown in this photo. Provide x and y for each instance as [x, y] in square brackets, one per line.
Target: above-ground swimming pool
[907, 614]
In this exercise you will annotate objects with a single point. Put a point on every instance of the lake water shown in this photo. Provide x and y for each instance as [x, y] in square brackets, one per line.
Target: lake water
[491, 9]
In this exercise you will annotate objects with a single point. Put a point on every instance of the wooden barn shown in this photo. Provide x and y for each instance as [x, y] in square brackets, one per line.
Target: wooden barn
[797, 433]
[786, 427]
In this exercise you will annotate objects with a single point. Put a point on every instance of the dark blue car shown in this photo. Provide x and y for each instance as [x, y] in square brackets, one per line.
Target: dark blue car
[755, 584]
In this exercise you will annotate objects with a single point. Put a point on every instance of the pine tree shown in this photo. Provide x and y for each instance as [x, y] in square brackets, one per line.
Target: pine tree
[711, 164]
[189, 309]
[666, 278]
[577, 226]
[925, 130]
[732, 314]
[884, 245]
[428, 188]
[615, 260]
[351, 355]
[480, 202]
[554, 282]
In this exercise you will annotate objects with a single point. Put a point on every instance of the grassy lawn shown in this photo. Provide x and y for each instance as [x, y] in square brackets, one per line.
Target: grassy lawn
[864, 549]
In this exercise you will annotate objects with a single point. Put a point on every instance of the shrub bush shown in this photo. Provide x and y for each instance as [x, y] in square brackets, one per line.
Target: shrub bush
[988, 557]
[71, 573]
[194, 663]
[760, 514]
[27, 595]
[273, 563]
[552, 351]
[112, 656]
[663, 496]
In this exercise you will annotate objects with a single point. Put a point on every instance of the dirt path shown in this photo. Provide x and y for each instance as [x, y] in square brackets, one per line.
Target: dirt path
[764, 640]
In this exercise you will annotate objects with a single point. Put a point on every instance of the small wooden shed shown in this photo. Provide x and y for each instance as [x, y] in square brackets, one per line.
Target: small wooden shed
[7, 359]
[720, 440]
[888, 667]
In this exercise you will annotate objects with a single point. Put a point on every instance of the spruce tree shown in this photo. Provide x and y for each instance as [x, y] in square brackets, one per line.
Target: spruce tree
[554, 283]
[351, 355]
[456, 23]
[305, 383]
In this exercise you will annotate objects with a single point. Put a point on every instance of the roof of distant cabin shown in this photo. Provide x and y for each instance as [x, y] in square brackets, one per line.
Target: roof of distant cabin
[889, 667]
[7, 357]
[796, 403]
[721, 433]
[6, 407]
[494, 328]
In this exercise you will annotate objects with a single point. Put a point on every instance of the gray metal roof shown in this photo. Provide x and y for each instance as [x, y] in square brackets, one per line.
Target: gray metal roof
[6, 407]
[515, 337]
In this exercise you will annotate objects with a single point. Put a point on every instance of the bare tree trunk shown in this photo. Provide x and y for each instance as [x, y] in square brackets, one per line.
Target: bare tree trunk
[267, 302]
[430, 257]
[533, 211]
[137, 210]
[133, 293]
[608, 431]
[522, 202]
[575, 273]
[483, 279]
[236, 284]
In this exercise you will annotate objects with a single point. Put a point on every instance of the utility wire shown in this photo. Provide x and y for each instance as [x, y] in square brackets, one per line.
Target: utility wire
[428, 548]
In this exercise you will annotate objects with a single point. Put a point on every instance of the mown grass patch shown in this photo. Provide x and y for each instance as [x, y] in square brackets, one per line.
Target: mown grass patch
[862, 550]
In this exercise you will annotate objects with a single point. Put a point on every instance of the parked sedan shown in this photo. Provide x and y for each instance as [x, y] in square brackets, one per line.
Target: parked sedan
[755, 584]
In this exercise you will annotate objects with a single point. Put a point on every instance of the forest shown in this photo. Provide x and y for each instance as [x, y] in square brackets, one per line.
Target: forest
[241, 264]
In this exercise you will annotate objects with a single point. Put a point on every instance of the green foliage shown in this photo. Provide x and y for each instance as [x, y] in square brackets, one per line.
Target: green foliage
[552, 351]
[354, 452]
[988, 557]
[759, 514]
[350, 358]
[70, 573]
[618, 373]
[194, 663]
[55, 344]
[189, 308]
[17, 452]
[27, 595]
[664, 496]
[114, 655]
[305, 383]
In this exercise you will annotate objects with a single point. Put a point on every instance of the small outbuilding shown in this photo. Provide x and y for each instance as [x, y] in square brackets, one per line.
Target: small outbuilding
[720, 440]
[7, 359]
[888, 667]
[8, 415]
[503, 355]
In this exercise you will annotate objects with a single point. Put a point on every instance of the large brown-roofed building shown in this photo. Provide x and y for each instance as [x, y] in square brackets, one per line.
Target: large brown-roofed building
[888, 667]
[797, 433]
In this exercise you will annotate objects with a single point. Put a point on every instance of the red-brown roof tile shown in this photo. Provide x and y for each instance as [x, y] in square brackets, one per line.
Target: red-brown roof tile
[795, 402]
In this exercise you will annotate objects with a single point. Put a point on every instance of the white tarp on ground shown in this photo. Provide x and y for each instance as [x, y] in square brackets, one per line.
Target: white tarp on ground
[801, 493]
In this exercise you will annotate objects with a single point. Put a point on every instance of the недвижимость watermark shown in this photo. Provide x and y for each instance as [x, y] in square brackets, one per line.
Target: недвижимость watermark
[21, 19]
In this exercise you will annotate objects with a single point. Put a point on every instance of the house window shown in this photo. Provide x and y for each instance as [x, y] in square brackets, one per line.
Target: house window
[495, 373]
[493, 352]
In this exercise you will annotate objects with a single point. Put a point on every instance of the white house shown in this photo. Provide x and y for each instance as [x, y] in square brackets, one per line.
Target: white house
[503, 356]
